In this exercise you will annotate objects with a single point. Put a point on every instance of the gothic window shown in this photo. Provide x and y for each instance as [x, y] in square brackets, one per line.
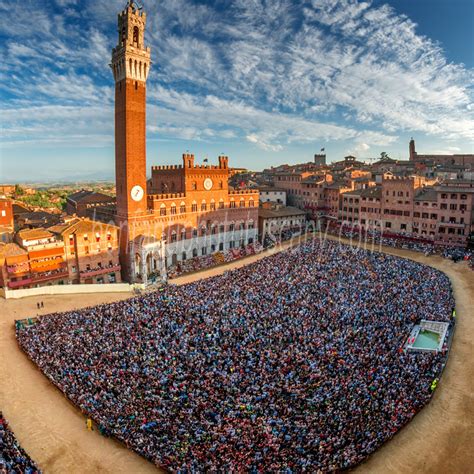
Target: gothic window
[136, 35]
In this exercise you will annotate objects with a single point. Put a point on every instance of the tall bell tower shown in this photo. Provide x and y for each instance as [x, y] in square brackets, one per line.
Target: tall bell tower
[130, 66]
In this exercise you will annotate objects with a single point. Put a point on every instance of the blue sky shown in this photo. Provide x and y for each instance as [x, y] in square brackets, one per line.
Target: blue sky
[264, 81]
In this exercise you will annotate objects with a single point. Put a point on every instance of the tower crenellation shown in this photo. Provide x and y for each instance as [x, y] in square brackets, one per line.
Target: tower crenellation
[131, 59]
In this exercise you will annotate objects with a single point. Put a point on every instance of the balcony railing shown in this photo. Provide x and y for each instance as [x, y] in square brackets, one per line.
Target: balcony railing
[50, 276]
[100, 271]
[18, 284]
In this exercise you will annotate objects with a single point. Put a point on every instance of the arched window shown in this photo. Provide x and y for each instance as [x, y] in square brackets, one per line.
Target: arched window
[232, 203]
[174, 236]
[242, 202]
[173, 209]
[162, 210]
[221, 204]
[183, 234]
[136, 36]
[182, 208]
[203, 205]
[183, 258]
[194, 206]
[194, 185]
[195, 253]
[251, 203]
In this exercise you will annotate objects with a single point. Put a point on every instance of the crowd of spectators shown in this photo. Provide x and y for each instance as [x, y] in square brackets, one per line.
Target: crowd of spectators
[295, 363]
[13, 459]
[208, 261]
[416, 244]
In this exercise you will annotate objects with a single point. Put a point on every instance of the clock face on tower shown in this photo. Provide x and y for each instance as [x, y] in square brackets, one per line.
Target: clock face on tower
[137, 193]
[208, 184]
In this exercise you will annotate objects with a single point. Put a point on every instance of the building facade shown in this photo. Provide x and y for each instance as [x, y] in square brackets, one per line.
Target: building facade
[274, 220]
[91, 250]
[184, 211]
[274, 195]
[465, 160]
[442, 214]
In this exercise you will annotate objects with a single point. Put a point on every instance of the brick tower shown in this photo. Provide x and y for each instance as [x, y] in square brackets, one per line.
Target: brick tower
[130, 66]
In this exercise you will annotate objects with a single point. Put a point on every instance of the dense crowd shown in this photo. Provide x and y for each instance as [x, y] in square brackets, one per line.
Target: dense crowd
[294, 363]
[416, 244]
[207, 261]
[13, 459]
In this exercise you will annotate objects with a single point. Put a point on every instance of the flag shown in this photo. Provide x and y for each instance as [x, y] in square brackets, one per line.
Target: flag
[322, 149]
[205, 160]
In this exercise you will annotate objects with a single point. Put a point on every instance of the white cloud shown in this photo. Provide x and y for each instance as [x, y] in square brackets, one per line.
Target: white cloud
[254, 138]
[271, 73]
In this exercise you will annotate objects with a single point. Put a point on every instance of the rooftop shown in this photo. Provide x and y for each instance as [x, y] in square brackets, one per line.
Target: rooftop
[85, 197]
[426, 194]
[34, 234]
[280, 212]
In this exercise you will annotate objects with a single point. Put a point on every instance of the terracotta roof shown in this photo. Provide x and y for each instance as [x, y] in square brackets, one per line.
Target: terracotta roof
[19, 208]
[81, 225]
[372, 192]
[282, 212]
[354, 192]
[34, 234]
[11, 250]
[426, 194]
[85, 197]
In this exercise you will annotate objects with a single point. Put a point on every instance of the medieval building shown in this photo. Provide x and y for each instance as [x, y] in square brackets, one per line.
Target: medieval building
[184, 211]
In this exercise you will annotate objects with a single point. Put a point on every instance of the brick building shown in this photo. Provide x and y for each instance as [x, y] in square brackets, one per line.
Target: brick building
[442, 213]
[7, 189]
[90, 250]
[6, 220]
[35, 259]
[85, 203]
[6, 212]
[466, 160]
[182, 212]
[275, 219]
